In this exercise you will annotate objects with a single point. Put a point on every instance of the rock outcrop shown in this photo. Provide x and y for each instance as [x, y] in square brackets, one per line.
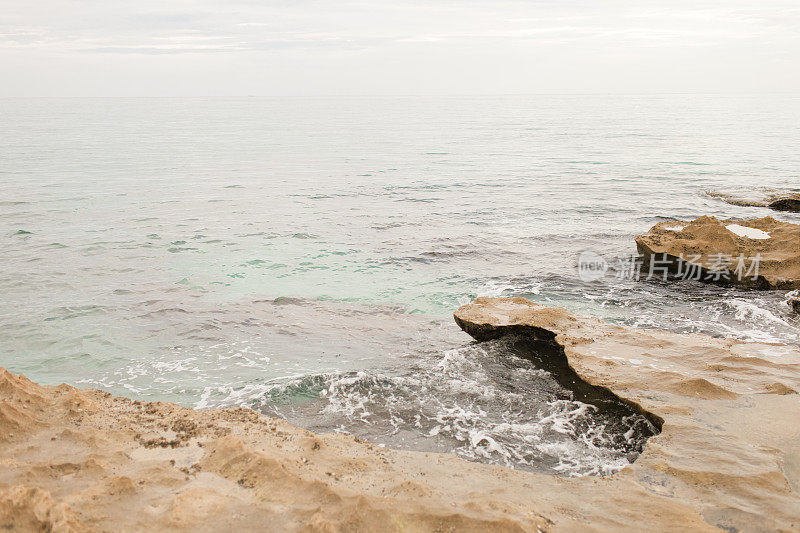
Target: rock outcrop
[777, 200]
[761, 253]
[794, 302]
[729, 448]
[82, 460]
[727, 457]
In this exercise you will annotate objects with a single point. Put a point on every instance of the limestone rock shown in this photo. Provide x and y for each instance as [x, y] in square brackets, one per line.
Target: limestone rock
[760, 253]
[728, 449]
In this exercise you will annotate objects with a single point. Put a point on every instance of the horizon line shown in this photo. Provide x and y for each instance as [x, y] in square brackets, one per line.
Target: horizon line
[415, 95]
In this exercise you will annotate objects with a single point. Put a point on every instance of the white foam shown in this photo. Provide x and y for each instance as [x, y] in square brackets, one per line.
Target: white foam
[745, 309]
[460, 400]
[674, 228]
[750, 233]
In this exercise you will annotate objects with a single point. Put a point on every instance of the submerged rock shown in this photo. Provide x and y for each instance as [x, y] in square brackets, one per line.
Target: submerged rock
[777, 200]
[795, 303]
[729, 448]
[787, 204]
[761, 253]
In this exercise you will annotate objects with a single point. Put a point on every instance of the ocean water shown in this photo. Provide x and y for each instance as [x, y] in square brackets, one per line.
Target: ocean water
[303, 256]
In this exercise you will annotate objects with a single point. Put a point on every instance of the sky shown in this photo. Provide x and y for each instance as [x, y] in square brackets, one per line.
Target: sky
[403, 47]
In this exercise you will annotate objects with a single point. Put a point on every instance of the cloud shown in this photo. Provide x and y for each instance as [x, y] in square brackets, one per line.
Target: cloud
[505, 36]
[125, 26]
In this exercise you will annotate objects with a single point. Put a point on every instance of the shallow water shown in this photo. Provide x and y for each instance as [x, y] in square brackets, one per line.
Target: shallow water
[498, 401]
[259, 251]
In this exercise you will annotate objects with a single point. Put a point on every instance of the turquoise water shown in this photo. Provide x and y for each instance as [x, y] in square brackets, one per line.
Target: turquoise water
[213, 251]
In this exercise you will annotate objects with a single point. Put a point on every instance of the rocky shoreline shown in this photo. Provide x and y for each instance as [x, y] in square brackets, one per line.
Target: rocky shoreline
[727, 456]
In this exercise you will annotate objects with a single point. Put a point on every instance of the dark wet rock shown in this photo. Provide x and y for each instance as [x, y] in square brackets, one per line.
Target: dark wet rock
[777, 200]
[786, 204]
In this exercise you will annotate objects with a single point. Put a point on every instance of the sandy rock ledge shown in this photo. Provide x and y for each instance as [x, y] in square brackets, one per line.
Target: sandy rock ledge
[727, 457]
[729, 447]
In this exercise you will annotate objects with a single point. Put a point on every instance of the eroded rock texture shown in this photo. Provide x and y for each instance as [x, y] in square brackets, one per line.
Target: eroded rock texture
[761, 253]
[728, 454]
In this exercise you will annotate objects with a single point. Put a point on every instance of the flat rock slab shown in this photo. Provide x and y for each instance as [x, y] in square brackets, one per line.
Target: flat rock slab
[760, 253]
[729, 447]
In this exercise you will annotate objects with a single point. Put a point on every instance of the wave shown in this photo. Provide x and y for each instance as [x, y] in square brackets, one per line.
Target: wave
[484, 402]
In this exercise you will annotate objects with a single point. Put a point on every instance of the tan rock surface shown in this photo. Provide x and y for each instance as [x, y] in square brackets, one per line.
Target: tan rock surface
[83, 460]
[709, 243]
[730, 443]
[728, 456]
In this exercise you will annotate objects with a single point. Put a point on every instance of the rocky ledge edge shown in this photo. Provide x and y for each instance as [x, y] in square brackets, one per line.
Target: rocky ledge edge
[727, 456]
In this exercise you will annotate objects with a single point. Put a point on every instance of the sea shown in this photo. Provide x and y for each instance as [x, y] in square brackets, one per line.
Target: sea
[303, 256]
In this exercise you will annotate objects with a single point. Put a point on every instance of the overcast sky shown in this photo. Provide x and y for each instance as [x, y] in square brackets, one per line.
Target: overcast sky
[307, 47]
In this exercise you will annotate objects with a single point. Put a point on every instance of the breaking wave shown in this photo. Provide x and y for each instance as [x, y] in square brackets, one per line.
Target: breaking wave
[487, 402]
